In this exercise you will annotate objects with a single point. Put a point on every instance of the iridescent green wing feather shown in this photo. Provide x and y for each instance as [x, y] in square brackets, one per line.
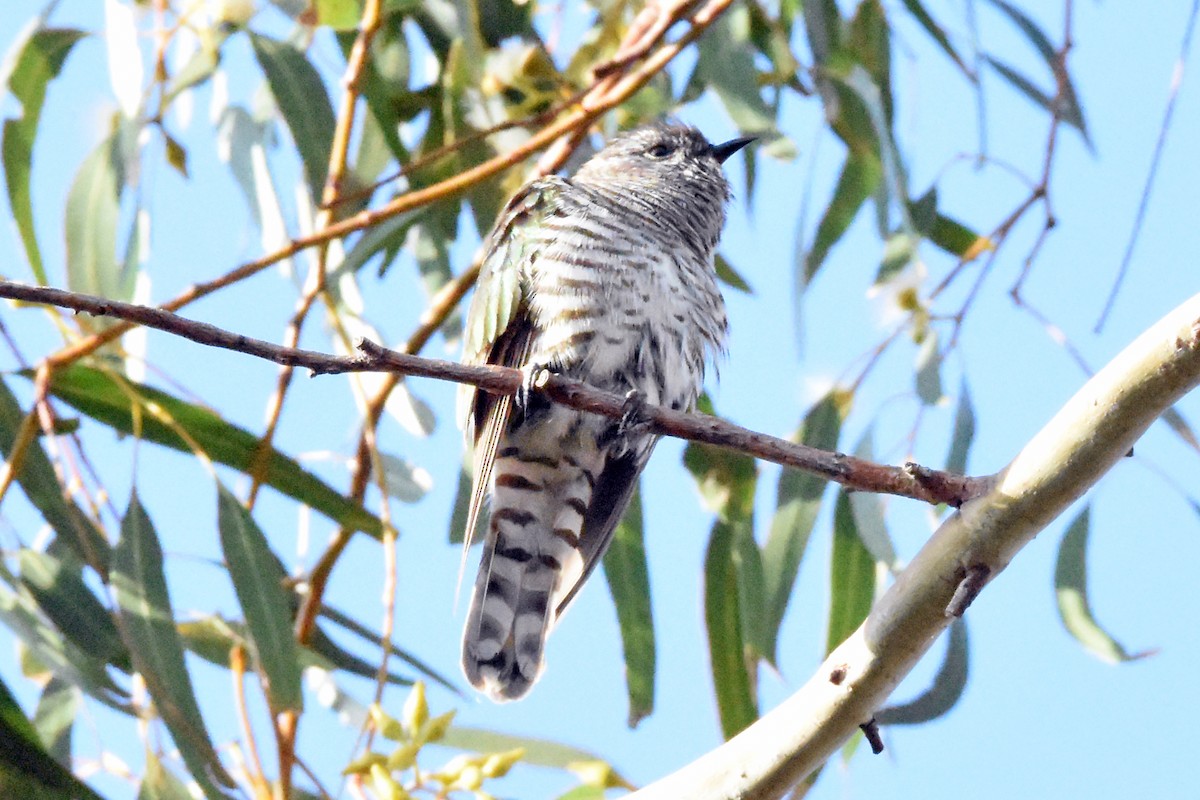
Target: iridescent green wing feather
[498, 329]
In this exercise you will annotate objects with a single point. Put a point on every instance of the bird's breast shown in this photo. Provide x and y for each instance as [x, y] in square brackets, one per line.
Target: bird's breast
[637, 316]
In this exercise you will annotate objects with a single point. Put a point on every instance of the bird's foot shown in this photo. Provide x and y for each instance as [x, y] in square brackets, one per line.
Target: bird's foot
[534, 377]
[634, 417]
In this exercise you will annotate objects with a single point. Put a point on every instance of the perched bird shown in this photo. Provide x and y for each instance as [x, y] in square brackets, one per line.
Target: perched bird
[606, 277]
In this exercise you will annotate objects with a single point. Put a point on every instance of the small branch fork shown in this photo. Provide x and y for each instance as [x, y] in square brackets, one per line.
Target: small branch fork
[856, 473]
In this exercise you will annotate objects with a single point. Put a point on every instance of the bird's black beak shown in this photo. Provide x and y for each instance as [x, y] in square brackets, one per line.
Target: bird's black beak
[724, 151]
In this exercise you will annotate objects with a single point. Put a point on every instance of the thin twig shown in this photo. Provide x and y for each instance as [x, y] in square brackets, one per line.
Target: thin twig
[1168, 113]
[237, 671]
[847, 470]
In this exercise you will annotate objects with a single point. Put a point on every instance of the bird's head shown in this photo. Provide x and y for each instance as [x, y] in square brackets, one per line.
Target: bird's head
[674, 158]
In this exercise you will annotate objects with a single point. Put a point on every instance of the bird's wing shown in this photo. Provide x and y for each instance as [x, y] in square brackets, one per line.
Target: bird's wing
[614, 488]
[498, 328]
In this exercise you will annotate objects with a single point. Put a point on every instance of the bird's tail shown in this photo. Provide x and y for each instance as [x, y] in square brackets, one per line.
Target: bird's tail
[531, 561]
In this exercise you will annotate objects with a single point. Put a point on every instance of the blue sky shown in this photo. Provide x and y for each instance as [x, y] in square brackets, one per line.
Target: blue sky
[1040, 717]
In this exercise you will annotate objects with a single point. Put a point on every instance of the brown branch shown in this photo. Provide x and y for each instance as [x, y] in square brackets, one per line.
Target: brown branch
[855, 473]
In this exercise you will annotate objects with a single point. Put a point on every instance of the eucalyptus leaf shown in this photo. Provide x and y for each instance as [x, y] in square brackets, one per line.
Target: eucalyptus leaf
[945, 691]
[303, 102]
[264, 602]
[628, 580]
[145, 607]
[124, 406]
[36, 58]
[797, 502]
[1070, 587]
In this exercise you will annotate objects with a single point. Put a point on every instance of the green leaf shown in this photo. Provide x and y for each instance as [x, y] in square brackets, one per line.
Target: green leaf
[37, 57]
[325, 646]
[539, 752]
[730, 276]
[726, 480]
[264, 602]
[1181, 427]
[964, 433]
[629, 583]
[149, 622]
[957, 239]
[303, 102]
[934, 30]
[1066, 108]
[824, 27]
[54, 718]
[1070, 587]
[26, 769]
[341, 15]
[798, 499]
[91, 227]
[40, 484]
[852, 576]
[60, 592]
[928, 376]
[867, 508]
[50, 652]
[726, 65]
[125, 407]
[876, 102]
[860, 176]
[943, 693]
[733, 681]
[159, 783]
[384, 82]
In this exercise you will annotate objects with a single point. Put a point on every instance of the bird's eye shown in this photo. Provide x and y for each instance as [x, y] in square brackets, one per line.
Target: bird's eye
[660, 150]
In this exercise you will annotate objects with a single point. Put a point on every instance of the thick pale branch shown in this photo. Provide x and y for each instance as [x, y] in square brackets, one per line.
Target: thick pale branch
[908, 481]
[1095, 429]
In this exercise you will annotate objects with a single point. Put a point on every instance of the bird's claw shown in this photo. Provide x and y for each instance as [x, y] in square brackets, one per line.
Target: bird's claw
[634, 418]
[533, 378]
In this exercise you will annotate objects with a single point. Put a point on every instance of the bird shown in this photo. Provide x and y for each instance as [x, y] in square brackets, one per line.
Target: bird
[606, 277]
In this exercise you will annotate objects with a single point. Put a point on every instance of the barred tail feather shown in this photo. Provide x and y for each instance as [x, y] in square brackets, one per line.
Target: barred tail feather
[530, 562]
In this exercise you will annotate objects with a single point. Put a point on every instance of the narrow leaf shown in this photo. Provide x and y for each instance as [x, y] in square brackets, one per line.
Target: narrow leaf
[957, 239]
[1066, 109]
[1070, 587]
[539, 752]
[26, 769]
[726, 65]
[55, 716]
[943, 693]
[50, 652]
[112, 401]
[964, 433]
[733, 684]
[798, 499]
[62, 595]
[860, 176]
[91, 225]
[730, 276]
[303, 102]
[36, 60]
[928, 376]
[934, 30]
[159, 783]
[264, 602]
[40, 483]
[852, 576]
[145, 607]
[629, 583]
